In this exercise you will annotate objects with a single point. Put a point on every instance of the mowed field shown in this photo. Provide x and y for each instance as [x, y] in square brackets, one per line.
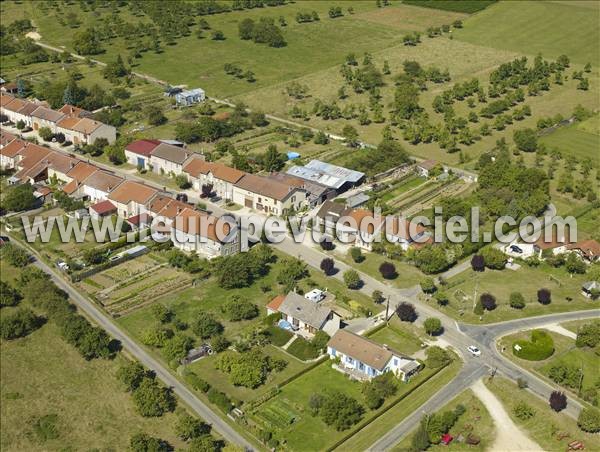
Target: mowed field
[532, 27]
[581, 140]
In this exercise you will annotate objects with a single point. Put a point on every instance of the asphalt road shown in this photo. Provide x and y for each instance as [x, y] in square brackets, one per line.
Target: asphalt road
[105, 322]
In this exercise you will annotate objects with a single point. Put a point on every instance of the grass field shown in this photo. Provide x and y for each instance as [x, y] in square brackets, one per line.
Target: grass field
[565, 352]
[461, 6]
[581, 140]
[401, 336]
[476, 419]
[526, 280]
[43, 375]
[545, 426]
[199, 62]
[537, 27]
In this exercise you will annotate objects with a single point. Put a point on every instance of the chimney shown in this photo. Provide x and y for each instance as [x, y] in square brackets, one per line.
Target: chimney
[386, 346]
[72, 165]
[178, 210]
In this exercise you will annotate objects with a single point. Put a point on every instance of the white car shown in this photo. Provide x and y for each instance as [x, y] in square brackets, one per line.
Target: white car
[474, 350]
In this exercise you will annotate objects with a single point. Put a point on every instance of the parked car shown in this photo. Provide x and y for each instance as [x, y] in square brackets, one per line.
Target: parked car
[516, 249]
[474, 350]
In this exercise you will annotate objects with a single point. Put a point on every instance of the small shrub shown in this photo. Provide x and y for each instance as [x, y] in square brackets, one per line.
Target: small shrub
[558, 401]
[524, 411]
[544, 296]
[589, 420]
[516, 300]
[406, 312]
[388, 270]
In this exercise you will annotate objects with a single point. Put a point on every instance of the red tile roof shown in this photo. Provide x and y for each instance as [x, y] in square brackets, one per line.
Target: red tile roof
[142, 147]
[275, 303]
[104, 207]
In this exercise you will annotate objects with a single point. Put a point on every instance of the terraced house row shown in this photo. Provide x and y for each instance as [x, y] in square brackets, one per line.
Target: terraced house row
[75, 123]
[106, 193]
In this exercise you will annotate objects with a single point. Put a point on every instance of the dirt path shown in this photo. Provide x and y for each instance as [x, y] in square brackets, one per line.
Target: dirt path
[508, 435]
[555, 327]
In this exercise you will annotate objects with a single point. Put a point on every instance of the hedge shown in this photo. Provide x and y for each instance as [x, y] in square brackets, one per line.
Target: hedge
[540, 347]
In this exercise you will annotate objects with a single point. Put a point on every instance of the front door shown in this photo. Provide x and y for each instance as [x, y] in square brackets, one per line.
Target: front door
[248, 202]
[141, 162]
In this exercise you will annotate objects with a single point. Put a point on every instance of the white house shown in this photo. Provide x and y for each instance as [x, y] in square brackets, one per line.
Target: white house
[398, 231]
[221, 177]
[98, 185]
[138, 152]
[364, 359]
[268, 195]
[305, 316]
[46, 117]
[85, 130]
[190, 97]
[168, 159]
[197, 232]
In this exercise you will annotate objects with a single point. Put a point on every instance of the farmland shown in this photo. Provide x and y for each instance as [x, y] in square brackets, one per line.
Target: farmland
[580, 140]
[569, 27]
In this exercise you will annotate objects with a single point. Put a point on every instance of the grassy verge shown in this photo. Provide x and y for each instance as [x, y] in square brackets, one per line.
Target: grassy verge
[476, 419]
[547, 426]
[374, 431]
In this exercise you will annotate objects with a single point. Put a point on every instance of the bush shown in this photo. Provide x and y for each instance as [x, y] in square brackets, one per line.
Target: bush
[356, 255]
[432, 326]
[437, 357]
[558, 401]
[16, 256]
[488, 301]
[19, 323]
[540, 347]
[197, 383]
[328, 266]
[327, 245]
[523, 411]
[442, 298]
[8, 295]
[406, 312]
[588, 335]
[377, 297]
[388, 270]
[544, 296]
[18, 198]
[219, 399]
[238, 308]
[153, 400]
[517, 300]
[219, 343]
[428, 285]
[589, 420]
[188, 427]
[352, 279]
[494, 258]
[378, 389]
[478, 263]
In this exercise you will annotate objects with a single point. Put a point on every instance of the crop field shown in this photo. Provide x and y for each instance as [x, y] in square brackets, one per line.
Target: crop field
[581, 140]
[556, 28]
[408, 18]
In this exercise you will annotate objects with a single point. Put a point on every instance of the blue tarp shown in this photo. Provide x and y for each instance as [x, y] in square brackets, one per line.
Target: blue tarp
[292, 155]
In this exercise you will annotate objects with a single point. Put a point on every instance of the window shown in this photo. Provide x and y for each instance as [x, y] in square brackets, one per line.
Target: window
[333, 352]
[395, 361]
[293, 199]
[349, 360]
[361, 366]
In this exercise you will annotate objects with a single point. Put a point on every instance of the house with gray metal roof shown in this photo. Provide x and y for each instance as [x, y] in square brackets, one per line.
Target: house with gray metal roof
[308, 317]
[332, 176]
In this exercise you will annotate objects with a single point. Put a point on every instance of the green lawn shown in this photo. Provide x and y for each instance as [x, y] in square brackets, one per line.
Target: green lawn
[574, 140]
[408, 275]
[205, 369]
[547, 424]
[501, 283]
[401, 336]
[565, 352]
[475, 420]
[531, 27]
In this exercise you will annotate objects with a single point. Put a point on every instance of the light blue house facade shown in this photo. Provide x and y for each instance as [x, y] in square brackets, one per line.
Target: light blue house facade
[363, 359]
[190, 97]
